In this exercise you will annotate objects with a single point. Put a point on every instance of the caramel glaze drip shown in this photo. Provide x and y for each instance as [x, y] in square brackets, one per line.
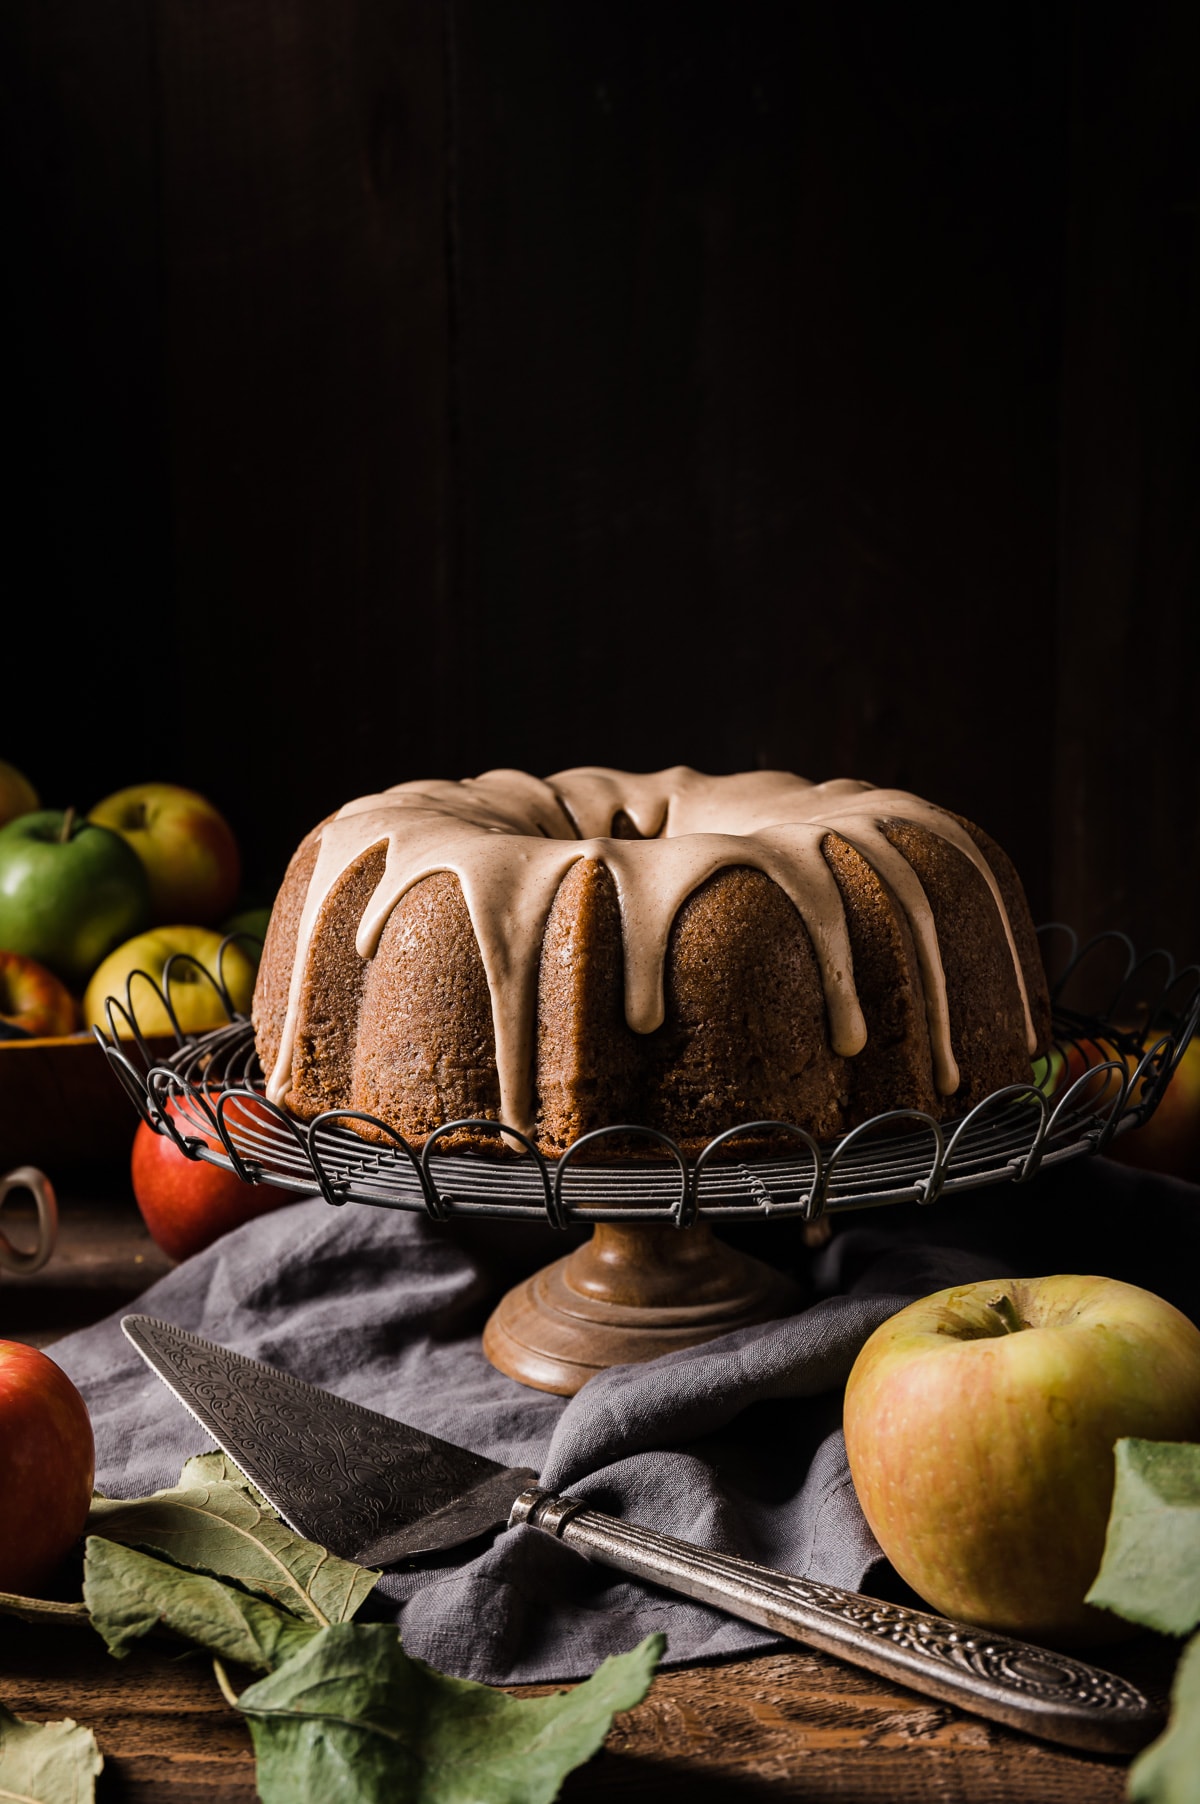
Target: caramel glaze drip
[510, 839]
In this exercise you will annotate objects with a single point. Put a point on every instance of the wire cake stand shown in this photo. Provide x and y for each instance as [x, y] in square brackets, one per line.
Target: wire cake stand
[639, 1288]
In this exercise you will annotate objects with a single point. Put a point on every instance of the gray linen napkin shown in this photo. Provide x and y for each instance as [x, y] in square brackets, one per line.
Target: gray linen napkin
[735, 1445]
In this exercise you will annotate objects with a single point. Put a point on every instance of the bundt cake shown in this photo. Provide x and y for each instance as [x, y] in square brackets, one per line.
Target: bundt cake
[683, 951]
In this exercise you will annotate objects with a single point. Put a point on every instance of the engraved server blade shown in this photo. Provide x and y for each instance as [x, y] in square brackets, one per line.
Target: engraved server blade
[367, 1487]
[376, 1491]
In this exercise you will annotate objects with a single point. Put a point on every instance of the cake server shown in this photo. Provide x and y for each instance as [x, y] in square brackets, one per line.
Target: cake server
[378, 1492]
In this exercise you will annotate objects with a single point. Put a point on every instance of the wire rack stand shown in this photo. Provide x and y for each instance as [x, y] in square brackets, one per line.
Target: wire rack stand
[1121, 1024]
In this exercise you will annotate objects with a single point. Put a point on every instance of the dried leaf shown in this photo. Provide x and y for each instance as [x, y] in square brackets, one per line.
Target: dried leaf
[1168, 1771]
[217, 1468]
[47, 1763]
[129, 1594]
[1151, 1567]
[44, 1610]
[351, 1719]
[210, 1524]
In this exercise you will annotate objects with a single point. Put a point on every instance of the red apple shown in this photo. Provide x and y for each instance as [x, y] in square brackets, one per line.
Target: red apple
[33, 1000]
[188, 1203]
[980, 1425]
[186, 845]
[47, 1463]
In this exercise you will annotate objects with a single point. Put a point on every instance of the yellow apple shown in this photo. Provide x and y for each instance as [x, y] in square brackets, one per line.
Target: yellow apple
[17, 794]
[196, 1002]
[980, 1425]
[185, 844]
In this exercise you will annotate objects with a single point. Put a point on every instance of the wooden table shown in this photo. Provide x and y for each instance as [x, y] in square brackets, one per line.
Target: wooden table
[794, 1725]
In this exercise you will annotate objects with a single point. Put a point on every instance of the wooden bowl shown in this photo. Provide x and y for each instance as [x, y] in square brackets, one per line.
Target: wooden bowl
[61, 1105]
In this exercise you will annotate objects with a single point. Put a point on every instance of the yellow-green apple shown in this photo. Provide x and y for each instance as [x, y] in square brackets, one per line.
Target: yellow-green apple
[32, 999]
[17, 794]
[186, 845]
[189, 952]
[69, 892]
[980, 1425]
[47, 1460]
[188, 1203]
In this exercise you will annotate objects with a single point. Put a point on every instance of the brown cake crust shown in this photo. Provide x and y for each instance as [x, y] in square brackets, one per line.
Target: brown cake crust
[406, 1033]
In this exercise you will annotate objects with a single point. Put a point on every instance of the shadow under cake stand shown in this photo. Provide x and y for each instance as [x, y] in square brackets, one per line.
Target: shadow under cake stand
[654, 1277]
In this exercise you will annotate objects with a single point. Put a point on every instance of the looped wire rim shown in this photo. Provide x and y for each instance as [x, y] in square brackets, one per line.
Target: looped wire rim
[900, 1155]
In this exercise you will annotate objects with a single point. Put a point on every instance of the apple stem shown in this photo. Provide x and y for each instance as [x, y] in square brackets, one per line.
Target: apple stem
[1007, 1311]
[68, 824]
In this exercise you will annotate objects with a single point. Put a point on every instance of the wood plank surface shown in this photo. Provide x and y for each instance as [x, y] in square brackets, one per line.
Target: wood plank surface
[781, 1726]
[408, 389]
[756, 375]
[1128, 621]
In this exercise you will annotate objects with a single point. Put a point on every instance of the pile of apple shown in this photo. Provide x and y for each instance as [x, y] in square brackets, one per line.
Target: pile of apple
[86, 899]
[144, 882]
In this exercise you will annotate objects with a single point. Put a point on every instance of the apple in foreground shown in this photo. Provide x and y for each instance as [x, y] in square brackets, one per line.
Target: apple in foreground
[69, 892]
[33, 1000]
[187, 1203]
[186, 845]
[196, 1001]
[47, 1462]
[980, 1425]
[17, 794]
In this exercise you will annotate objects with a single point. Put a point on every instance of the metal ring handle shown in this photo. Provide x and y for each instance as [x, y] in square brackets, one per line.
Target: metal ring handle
[12, 1259]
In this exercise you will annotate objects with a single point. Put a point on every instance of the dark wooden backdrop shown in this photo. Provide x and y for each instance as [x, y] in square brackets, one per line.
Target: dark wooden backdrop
[400, 388]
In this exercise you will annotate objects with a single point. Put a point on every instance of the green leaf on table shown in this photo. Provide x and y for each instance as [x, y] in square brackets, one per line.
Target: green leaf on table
[352, 1719]
[129, 1594]
[1168, 1771]
[47, 1763]
[210, 1524]
[1151, 1567]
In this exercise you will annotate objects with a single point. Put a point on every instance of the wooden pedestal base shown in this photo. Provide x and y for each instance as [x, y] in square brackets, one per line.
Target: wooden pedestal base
[632, 1292]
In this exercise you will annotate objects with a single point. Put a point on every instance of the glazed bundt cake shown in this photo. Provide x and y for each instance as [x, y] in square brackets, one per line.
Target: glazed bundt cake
[683, 951]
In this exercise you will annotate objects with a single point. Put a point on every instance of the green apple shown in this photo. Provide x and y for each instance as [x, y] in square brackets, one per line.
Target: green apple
[69, 892]
[196, 1002]
[17, 794]
[250, 924]
[249, 920]
[187, 846]
[980, 1425]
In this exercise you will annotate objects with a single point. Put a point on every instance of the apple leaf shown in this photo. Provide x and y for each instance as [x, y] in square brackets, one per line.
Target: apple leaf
[352, 1719]
[47, 1763]
[1168, 1771]
[1151, 1568]
[130, 1594]
[209, 1523]
[218, 1468]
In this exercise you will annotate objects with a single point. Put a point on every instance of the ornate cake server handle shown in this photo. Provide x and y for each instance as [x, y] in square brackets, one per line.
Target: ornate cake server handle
[1012, 1682]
